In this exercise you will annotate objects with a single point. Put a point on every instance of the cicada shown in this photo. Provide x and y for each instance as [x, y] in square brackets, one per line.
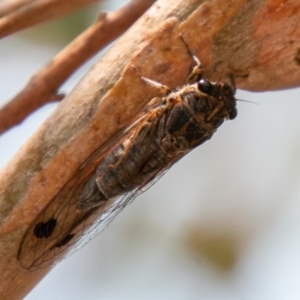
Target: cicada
[167, 129]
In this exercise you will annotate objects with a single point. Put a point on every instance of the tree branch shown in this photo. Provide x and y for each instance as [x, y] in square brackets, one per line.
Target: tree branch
[8, 6]
[23, 14]
[43, 86]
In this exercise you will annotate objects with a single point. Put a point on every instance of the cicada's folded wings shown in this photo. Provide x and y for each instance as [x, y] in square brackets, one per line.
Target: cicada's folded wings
[61, 224]
[53, 230]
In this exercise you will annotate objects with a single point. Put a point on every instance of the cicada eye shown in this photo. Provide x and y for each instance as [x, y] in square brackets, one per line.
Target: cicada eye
[205, 86]
[233, 114]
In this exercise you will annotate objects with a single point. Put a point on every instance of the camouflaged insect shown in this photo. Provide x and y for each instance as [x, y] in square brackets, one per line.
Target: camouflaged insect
[167, 129]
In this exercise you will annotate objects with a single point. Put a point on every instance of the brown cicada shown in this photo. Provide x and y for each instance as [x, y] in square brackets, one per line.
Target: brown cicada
[167, 129]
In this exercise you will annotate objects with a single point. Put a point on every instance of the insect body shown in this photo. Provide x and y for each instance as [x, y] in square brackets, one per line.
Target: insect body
[168, 128]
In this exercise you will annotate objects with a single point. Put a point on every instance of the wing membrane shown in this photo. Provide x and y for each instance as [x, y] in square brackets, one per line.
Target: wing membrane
[61, 224]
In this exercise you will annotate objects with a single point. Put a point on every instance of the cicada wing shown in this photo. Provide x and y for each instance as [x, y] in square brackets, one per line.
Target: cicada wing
[62, 224]
[73, 228]
[67, 229]
[111, 209]
[44, 238]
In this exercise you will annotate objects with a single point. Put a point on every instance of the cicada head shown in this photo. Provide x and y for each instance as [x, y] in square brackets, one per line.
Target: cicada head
[220, 98]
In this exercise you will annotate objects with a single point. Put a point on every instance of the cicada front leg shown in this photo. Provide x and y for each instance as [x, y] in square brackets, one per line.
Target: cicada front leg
[197, 71]
[165, 90]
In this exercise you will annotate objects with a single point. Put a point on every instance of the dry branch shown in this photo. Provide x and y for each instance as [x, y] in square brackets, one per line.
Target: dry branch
[43, 87]
[9, 6]
[255, 41]
[18, 16]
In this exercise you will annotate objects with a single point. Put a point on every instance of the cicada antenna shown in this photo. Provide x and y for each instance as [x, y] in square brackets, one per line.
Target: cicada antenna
[252, 102]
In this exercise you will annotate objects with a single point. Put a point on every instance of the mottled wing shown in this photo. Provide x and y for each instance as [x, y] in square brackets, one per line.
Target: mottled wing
[108, 212]
[61, 224]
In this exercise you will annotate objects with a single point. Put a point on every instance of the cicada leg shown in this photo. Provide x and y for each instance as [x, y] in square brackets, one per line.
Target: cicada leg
[197, 71]
[232, 81]
[163, 88]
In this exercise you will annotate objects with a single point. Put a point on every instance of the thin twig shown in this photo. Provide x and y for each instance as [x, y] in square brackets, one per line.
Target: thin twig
[37, 12]
[43, 87]
[9, 6]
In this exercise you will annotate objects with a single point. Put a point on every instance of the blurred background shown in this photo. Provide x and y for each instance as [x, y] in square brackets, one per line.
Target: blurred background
[223, 223]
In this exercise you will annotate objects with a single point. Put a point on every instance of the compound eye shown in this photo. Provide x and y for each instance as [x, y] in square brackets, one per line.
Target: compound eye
[233, 114]
[205, 86]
